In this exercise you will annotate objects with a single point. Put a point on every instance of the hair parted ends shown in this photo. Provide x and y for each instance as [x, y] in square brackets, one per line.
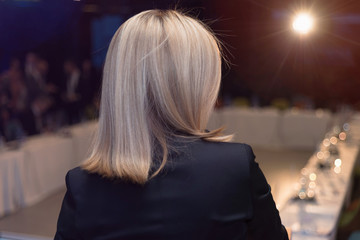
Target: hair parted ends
[161, 76]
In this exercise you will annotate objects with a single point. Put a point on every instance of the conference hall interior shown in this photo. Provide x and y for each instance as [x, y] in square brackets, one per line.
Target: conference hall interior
[290, 88]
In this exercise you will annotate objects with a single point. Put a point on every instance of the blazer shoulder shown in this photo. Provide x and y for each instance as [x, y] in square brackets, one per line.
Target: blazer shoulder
[242, 146]
[76, 178]
[238, 149]
[76, 173]
[230, 157]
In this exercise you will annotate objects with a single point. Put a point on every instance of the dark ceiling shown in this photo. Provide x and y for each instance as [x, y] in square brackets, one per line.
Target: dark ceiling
[267, 58]
[273, 61]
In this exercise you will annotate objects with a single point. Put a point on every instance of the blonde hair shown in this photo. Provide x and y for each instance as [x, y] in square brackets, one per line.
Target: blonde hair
[161, 78]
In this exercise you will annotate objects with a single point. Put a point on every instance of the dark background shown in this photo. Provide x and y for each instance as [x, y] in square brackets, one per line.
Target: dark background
[267, 59]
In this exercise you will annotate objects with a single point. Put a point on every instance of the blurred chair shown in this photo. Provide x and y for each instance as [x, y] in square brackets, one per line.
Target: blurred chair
[349, 227]
[280, 103]
[241, 102]
[350, 214]
[355, 236]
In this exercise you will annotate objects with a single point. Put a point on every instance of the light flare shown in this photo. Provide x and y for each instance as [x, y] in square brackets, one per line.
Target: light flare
[303, 23]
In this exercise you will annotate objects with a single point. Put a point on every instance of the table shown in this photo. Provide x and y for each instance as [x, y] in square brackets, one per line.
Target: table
[38, 168]
[11, 196]
[317, 220]
[82, 136]
[271, 128]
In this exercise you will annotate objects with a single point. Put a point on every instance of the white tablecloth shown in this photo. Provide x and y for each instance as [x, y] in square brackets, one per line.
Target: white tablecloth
[11, 184]
[38, 168]
[271, 128]
[82, 137]
[253, 126]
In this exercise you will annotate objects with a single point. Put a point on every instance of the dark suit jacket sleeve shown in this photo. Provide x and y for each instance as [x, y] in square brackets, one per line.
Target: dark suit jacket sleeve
[265, 222]
[66, 227]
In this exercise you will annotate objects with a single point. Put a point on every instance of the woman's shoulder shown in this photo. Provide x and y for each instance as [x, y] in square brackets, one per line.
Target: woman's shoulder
[222, 156]
[77, 177]
[76, 173]
[228, 148]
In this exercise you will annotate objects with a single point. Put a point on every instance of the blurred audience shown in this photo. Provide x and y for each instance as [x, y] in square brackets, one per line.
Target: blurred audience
[90, 89]
[71, 91]
[31, 103]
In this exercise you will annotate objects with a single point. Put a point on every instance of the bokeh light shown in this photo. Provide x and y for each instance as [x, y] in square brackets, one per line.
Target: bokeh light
[326, 142]
[337, 170]
[342, 136]
[312, 176]
[333, 140]
[337, 162]
[303, 23]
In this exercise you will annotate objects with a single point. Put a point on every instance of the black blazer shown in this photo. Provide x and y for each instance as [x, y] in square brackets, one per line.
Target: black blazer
[207, 190]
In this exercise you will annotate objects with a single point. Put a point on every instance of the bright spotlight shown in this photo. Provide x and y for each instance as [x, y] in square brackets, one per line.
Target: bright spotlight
[303, 23]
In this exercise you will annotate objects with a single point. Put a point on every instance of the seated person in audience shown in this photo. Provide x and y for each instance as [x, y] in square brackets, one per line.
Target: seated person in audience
[154, 171]
[10, 127]
[33, 79]
[71, 95]
[89, 88]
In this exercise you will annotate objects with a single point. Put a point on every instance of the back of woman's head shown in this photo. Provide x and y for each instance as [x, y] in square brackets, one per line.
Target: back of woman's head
[161, 79]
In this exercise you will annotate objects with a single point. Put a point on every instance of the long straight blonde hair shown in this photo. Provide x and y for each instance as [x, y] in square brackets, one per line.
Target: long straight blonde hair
[161, 78]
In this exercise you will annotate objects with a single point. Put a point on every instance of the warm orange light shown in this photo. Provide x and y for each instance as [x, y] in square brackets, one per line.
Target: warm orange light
[303, 23]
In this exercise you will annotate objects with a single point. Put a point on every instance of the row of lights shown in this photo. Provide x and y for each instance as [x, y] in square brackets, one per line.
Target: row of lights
[327, 158]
